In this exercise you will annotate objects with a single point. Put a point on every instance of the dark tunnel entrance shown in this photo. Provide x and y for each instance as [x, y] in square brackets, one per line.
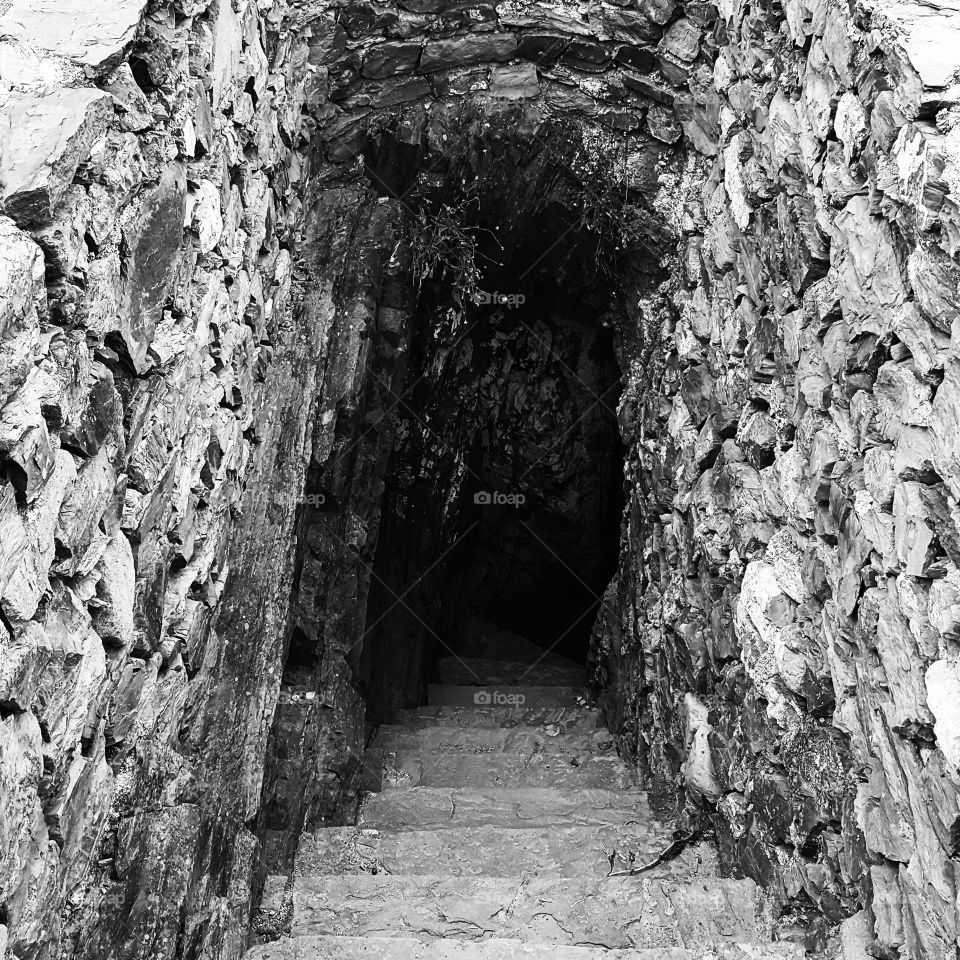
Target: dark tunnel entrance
[503, 497]
[469, 501]
[539, 526]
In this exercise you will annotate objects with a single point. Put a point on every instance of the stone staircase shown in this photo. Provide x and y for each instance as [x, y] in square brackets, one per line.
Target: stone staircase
[495, 815]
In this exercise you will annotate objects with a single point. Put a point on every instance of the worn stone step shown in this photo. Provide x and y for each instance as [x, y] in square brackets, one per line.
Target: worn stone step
[407, 948]
[566, 719]
[620, 913]
[512, 697]
[385, 769]
[423, 808]
[523, 741]
[481, 672]
[499, 851]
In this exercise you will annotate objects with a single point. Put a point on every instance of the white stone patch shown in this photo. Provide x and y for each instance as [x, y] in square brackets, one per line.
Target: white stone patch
[733, 180]
[850, 124]
[943, 605]
[724, 73]
[879, 475]
[912, 595]
[206, 216]
[227, 44]
[877, 526]
[763, 610]
[785, 554]
[680, 425]
[115, 590]
[929, 36]
[788, 478]
[855, 937]
[784, 126]
[913, 535]
[29, 581]
[87, 32]
[943, 699]
[698, 768]
[24, 70]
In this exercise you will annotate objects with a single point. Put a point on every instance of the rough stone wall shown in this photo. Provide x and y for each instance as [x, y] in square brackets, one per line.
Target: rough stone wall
[782, 641]
[315, 747]
[158, 368]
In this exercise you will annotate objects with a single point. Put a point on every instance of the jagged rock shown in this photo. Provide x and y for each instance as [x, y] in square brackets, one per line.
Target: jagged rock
[698, 767]
[101, 418]
[227, 45]
[586, 55]
[75, 673]
[931, 274]
[871, 282]
[389, 59]
[45, 139]
[133, 105]
[87, 507]
[681, 40]
[632, 26]
[153, 235]
[22, 304]
[30, 859]
[93, 34]
[663, 125]
[943, 697]
[514, 82]
[28, 580]
[25, 444]
[113, 613]
[445, 54]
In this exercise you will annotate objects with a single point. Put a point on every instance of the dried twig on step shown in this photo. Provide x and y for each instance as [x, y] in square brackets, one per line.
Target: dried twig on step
[680, 840]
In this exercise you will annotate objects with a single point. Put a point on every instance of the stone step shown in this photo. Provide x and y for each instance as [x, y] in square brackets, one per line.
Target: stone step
[385, 769]
[619, 913]
[480, 672]
[498, 851]
[566, 719]
[407, 948]
[480, 741]
[512, 697]
[426, 808]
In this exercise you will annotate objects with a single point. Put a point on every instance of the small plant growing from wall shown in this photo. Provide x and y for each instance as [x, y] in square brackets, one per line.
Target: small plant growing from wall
[442, 245]
[597, 166]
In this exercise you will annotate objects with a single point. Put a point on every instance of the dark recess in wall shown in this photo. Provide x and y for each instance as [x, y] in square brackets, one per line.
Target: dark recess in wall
[511, 392]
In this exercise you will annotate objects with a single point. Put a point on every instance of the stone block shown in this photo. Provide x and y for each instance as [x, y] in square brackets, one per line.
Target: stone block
[153, 239]
[389, 59]
[44, 140]
[22, 304]
[467, 51]
[514, 82]
[91, 33]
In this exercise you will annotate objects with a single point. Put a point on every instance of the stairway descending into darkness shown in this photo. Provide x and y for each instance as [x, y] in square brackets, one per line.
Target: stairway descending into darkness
[495, 814]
